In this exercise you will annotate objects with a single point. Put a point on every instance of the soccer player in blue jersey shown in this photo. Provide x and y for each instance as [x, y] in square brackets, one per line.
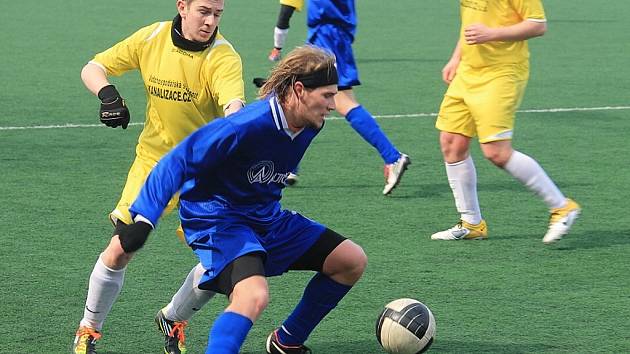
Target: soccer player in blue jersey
[332, 25]
[230, 175]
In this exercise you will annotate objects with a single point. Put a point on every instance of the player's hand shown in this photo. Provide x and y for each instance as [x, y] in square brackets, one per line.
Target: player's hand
[478, 33]
[113, 110]
[449, 71]
[133, 236]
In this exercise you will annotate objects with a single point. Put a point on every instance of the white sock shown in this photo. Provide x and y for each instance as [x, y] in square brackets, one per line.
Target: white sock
[104, 287]
[462, 177]
[279, 37]
[189, 298]
[530, 173]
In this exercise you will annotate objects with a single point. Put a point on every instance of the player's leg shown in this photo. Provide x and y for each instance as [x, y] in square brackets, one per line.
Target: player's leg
[106, 279]
[281, 31]
[339, 264]
[237, 273]
[173, 319]
[339, 42]
[495, 138]
[457, 128]
[244, 282]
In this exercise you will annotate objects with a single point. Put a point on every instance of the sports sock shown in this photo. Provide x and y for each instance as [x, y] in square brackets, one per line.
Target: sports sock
[462, 177]
[104, 287]
[279, 37]
[363, 123]
[228, 333]
[189, 298]
[526, 170]
[322, 294]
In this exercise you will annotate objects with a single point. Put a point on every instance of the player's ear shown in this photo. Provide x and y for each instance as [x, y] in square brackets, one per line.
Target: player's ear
[181, 7]
[299, 89]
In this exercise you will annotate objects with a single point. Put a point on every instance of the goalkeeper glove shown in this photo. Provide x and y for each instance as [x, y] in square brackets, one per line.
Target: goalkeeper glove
[113, 111]
[133, 236]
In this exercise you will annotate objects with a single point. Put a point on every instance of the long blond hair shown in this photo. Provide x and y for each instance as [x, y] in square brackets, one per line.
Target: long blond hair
[300, 61]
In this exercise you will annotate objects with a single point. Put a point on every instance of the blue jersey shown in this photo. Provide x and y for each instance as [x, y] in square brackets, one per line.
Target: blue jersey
[231, 169]
[340, 13]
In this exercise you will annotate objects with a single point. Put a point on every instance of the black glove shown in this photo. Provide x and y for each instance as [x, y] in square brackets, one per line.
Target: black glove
[259, 81]
[133, 236]
[113, 111]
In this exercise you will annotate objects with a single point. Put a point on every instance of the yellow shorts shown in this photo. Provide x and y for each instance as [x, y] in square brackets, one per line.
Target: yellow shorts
[483, 101]
[298, 4]
[138, 173]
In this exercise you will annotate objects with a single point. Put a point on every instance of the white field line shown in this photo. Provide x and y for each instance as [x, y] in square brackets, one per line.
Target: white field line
[383, 116]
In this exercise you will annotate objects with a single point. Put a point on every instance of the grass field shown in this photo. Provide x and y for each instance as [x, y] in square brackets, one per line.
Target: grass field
[511, 294]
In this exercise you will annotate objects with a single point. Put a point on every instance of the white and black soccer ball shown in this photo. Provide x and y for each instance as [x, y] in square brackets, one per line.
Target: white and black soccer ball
[405, 326]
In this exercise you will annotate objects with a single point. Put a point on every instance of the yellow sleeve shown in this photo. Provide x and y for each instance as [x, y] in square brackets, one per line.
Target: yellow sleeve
[529, 9]
[125, 55]
[226, 75]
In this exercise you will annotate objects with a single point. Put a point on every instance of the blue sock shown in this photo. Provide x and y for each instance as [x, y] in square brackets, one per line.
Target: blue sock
[322, 294]
[364, 124]
[228, 333]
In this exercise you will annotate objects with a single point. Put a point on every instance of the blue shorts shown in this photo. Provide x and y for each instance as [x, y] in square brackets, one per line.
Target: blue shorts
[339, 42]
[283, 241]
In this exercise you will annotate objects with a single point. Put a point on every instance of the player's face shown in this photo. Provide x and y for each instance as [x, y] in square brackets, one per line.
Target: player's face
[317, 104]
[200, 18]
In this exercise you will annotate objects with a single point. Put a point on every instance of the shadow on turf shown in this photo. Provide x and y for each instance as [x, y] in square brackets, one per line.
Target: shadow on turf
[345, 347]
[468, 346]
[591, 239]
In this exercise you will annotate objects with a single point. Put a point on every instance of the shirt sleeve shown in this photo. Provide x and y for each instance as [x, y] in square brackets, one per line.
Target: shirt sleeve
[198, 154]
[226, 75]
[530, 9]
[125, 55]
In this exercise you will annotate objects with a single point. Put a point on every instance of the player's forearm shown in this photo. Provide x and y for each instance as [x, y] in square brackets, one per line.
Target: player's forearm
[457, 52]
[520, 31]
[94, 77]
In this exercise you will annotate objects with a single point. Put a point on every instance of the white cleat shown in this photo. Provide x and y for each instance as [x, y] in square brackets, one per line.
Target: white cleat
[463, 231]
[394, 172]
[561, 220]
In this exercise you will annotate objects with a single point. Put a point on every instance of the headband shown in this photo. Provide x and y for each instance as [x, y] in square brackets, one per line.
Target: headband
[322, 77]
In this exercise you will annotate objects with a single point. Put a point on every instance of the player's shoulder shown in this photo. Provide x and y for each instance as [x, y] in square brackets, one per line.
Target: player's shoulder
[154, 29]
[222, 48]
[253, 115]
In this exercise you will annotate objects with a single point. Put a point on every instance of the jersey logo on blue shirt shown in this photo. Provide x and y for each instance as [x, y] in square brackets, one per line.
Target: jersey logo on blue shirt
[264, 172]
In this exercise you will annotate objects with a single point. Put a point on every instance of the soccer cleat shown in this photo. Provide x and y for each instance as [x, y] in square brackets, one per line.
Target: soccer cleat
[173, 331]
[292, 179]
[85, 340]
[463, 231]
[561, 220]
[394, 172]
[275, 347]
[275, 54]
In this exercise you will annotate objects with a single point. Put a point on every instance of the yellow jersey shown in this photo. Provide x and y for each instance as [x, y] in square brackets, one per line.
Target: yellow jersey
[185, 89]
[497, 13]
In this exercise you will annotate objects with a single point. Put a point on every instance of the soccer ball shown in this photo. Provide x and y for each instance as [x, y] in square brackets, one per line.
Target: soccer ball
[405, 326]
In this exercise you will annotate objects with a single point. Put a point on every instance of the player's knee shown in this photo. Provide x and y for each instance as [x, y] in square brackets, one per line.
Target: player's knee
[499, 157]
[454, 147]
[251, 295]
[350, 263]
[260, 299]
[114, 256]
[358, 262]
